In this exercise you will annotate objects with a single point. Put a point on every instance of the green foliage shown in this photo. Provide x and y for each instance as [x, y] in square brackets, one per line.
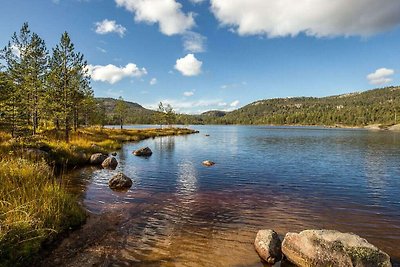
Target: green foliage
[120, 111]
[135, 113]
[33, 208]
[379, 106]
[37, 91]
[165, 115]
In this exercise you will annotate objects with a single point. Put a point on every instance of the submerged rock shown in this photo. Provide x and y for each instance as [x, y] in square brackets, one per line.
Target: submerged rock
[98, 158]
[208, 163]
[120, 181]
[110, 163]
[143, 152]
[268, 246]
[332, 248]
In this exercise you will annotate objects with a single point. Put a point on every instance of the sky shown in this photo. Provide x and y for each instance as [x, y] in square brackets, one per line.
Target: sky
[200, 55]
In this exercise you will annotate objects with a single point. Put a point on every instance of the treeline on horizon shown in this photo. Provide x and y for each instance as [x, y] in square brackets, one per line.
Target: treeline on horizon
[378, 106]
[39, 89]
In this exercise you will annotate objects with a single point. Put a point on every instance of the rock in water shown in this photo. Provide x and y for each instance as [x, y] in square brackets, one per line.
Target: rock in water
[110, 163]
[114, 154]
[120, 181]
[332, 248]
[143, 152]
[268, 246]
[208, 163]
[98, 158]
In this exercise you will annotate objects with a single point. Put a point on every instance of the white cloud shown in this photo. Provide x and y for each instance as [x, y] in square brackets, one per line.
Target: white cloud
[190, 107]
[278, 18]
[15, 51]
[197, 1]
[188, 65]
[188, 93]
[102, 50]
[234, 103]
[153, 81]
[109, 26]
[167, 13]
[380, 76]
[112, 74]
[194, 42]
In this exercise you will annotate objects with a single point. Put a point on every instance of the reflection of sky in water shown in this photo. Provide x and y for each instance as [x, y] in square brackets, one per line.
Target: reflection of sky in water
[187, 179]
[265, 177]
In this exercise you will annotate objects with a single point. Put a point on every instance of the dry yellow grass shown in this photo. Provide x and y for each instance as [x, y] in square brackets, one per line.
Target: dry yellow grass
[33, 206]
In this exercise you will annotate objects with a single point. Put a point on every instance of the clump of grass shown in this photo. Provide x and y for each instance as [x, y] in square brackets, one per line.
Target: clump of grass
[33, 209]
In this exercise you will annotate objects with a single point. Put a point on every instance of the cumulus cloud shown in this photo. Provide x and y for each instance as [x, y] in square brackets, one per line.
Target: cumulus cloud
[194, 42]
[153, 81]
[167, 13]
[197, 1]
[113, 74]
[109, 26]
[380, 76]
[188, 65]
[188, 93]
[320, 18]
[234, 103]
[191, 107]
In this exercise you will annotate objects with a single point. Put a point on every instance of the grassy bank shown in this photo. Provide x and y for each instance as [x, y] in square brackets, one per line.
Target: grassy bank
[34, 208]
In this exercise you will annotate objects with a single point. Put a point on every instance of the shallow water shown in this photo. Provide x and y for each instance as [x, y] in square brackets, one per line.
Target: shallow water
[181, 213]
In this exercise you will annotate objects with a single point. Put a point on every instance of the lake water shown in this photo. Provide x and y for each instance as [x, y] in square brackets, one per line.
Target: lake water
[285, 178]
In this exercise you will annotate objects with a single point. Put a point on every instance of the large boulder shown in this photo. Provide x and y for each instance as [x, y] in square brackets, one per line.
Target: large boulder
[268, 246]
[110, 163]
[98, 158]
[120, 182]
[143, 152]
[332, 248]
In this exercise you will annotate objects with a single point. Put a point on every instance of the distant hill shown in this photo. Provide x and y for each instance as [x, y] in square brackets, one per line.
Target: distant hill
[214, 113]
[136, 114]
[379, 106]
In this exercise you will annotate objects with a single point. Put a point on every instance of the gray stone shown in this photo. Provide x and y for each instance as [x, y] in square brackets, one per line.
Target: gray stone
[120, 182]
[110, 163]
[268, 246]
[332, 248]
[143, 152]
[98, 158]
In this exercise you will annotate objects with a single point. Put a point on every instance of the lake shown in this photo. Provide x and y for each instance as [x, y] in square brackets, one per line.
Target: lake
[181, 213]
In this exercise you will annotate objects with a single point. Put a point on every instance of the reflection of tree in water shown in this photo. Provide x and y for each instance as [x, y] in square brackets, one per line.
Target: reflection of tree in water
[165, 144]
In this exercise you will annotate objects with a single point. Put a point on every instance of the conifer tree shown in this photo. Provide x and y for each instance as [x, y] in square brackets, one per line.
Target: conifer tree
[120, 110]
[69, 82]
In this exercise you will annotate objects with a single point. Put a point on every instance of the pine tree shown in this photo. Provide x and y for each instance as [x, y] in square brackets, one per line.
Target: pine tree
[120, 110]
[26, 60]
[68, 83]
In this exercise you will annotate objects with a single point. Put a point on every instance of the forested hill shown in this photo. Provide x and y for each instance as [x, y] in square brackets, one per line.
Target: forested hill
[135, 113]
[356, 109]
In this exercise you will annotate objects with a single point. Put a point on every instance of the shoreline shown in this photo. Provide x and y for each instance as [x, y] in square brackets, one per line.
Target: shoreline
[47, 156]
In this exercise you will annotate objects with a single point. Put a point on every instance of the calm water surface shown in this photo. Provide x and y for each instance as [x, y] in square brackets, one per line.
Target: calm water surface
[288, 179]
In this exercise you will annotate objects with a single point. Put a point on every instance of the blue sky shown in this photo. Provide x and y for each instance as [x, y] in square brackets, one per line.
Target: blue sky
[221, 54]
